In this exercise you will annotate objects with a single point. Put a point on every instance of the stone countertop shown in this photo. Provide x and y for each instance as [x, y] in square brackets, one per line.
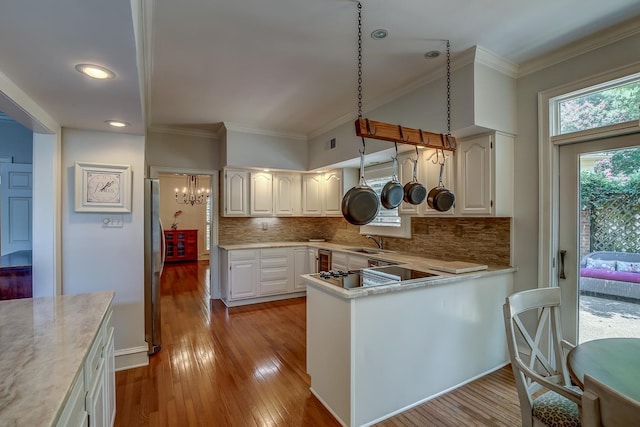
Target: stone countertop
[445, 279]
[416, 261]
[43, 344]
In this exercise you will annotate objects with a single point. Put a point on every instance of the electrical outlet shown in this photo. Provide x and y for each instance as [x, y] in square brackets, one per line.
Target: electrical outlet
[265, 225]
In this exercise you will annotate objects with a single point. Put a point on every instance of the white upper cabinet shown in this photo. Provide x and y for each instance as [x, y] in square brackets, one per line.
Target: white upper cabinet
[236, 192]
[312, 194]
[261, 194]
[429, 168]
[333, 192]
[287, 194]
[485, 175]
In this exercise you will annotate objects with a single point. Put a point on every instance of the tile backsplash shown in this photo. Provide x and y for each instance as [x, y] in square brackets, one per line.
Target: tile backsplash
[482, 240]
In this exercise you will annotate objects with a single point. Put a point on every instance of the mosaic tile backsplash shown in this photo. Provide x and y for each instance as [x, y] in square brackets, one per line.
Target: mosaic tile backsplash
[481, 240]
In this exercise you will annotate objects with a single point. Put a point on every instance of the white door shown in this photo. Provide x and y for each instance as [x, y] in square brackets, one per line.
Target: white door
[15, 187]
[569, 233]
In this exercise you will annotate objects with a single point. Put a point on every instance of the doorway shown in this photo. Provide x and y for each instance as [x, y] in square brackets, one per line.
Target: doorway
[599, 238]
[176, 178]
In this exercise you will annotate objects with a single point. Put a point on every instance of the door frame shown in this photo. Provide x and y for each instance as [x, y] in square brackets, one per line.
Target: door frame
[548, 166]
[214, 259]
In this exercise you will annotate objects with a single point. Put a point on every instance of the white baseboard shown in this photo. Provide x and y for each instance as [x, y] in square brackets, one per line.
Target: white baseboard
[133, 357]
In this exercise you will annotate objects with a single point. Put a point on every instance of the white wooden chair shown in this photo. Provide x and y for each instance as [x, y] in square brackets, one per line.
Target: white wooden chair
[603, 406]
[538, 364]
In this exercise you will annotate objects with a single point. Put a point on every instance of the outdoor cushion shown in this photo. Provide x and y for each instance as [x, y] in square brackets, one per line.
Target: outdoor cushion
[622, 276]
[601, 264]
[633, 267]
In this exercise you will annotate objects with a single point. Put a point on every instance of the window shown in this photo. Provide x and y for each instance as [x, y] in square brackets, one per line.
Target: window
[606, 104]
[388, 222]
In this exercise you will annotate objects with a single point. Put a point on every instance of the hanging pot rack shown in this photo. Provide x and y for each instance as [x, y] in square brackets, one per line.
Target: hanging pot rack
[371, 129]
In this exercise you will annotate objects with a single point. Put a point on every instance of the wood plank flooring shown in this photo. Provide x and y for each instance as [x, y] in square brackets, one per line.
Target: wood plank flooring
[245, 366]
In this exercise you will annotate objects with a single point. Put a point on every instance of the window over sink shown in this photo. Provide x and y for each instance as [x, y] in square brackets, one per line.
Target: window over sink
[388, 222]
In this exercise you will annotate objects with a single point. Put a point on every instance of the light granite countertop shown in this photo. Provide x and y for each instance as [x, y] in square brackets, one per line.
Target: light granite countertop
[43, 343]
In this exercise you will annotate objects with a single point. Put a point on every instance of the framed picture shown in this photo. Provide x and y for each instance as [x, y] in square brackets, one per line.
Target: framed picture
[102, 188]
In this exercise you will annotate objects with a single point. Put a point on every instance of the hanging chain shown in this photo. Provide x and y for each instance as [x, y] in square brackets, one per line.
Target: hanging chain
[360, 67]
[359, 60]
[448, 88]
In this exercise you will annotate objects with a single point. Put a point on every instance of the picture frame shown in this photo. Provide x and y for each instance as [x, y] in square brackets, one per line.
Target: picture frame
[102, 187]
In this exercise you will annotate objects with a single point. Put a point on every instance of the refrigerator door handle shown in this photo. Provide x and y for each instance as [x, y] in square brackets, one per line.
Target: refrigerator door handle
[163, 249]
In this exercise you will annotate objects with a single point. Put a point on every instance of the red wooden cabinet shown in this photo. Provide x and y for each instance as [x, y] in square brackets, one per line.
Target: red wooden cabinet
[181, 245]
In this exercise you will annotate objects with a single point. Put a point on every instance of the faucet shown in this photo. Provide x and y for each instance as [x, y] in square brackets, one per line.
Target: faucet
[378, 242]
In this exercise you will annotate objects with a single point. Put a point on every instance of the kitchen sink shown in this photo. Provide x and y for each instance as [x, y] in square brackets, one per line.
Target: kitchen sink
[365, 250]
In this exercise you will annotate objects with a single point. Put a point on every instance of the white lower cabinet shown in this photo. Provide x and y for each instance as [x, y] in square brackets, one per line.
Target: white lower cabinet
[355, 262]
[251, 276]
[301, 265]
[339, 261]
[92, 401]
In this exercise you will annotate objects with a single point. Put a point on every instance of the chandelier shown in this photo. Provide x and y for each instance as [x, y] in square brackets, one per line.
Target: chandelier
[192, 193]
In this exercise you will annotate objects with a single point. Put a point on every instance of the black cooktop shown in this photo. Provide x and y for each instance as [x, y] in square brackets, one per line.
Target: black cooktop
[372, 276]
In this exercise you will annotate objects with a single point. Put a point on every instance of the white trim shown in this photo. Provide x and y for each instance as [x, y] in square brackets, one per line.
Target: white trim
[266, 132]
[548, 165]
[603, 38]
[132, 357]
[498, 63]
[200, 133]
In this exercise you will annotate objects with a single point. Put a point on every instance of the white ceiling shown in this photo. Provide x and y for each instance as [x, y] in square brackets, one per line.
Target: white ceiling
[280, 65]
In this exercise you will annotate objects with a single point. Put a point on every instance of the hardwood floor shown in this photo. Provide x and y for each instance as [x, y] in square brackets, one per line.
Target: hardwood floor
[245, 366]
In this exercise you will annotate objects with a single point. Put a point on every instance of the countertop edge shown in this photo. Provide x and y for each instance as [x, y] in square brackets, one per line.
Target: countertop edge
[397, 287]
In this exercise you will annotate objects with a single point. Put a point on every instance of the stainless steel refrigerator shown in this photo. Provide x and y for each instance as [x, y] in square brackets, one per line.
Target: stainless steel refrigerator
[153, 263]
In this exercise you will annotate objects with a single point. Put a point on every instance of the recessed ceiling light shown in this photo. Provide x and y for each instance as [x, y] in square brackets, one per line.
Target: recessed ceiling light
[117, 123]
[432, 54]
[95, 71]
[379, 34]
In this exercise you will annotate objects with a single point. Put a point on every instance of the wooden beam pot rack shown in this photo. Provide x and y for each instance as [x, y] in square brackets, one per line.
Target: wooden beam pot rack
[396, 133]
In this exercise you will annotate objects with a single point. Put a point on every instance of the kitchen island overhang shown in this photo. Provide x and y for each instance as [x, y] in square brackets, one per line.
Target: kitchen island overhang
[376, 351]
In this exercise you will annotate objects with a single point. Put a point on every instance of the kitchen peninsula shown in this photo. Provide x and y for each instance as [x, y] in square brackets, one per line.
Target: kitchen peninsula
[56, 364]
[374, 351]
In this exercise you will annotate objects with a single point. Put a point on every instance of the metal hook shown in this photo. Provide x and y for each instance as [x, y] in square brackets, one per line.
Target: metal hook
[437, 159]
[369, 128]
[402, 135]
[417, 153]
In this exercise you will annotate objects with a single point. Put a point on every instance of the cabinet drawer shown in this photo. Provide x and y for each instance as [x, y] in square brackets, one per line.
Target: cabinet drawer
[274, 253]
[273, 262]
[242, 255]
[270, 274]
[274, 287]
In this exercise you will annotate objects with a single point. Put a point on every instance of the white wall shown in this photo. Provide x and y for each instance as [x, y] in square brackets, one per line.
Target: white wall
[95, 258]
[182, 150]
[265, 150]
[525, 224]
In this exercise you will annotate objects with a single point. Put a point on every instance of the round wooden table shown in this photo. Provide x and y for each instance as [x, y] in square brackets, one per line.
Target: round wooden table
[613, 361]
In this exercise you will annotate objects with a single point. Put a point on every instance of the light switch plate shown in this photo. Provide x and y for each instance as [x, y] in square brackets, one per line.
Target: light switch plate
[112, 221]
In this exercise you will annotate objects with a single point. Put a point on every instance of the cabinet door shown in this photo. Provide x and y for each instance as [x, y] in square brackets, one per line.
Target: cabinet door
[243, 279]
[356, 262]
[474, 176]
[95, 401]
[110, 380]
[261, 194]
[287, 194]
[301, 265]
[313, 260]
[430, 176]
[312, 195]
[236, 196]
[332, 181]
[405, 174]
[339, 261]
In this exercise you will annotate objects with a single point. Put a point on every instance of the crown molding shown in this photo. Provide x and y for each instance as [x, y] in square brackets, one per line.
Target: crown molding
[235, 127]
[199, 133]
[580, 47]
[498, 63]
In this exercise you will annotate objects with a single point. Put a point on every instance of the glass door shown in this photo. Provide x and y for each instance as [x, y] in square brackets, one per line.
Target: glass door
[599, 238]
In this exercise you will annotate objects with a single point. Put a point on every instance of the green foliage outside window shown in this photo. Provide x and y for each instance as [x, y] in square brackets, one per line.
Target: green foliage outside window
[616, 105]
[618, 175]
